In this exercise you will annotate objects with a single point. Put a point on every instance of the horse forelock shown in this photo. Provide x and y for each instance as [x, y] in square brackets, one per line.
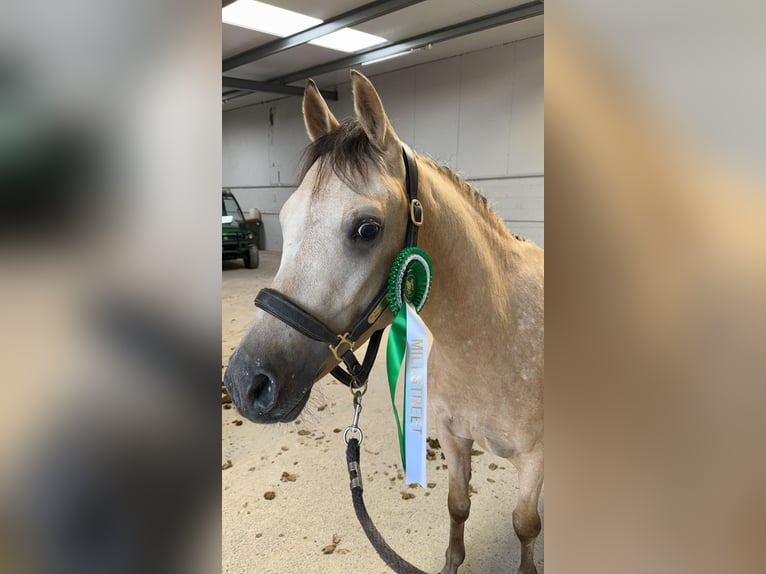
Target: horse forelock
[346, 151]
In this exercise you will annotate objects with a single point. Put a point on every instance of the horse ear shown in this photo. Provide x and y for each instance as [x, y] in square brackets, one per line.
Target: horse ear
[370, 113]
[316, 115]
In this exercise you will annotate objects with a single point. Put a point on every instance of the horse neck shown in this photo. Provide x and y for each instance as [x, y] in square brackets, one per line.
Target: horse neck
[472, 254]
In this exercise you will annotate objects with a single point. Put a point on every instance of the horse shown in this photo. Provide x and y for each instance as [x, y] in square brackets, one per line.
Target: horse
[343, 227]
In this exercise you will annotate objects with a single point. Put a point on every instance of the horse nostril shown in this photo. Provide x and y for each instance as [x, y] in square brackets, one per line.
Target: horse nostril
[262, 393]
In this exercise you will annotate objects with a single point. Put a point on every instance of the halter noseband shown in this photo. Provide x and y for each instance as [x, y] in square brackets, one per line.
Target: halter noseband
[342, 346]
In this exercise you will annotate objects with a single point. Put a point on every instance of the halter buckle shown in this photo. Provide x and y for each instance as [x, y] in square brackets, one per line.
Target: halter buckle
[416, 212]
[343, 340]
[378, 311]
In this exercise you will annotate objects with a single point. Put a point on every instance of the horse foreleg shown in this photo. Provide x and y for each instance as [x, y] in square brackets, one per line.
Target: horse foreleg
[526, 520]
[457, 451]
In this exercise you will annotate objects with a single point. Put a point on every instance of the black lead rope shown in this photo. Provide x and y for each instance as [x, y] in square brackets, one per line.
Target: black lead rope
[387, 554]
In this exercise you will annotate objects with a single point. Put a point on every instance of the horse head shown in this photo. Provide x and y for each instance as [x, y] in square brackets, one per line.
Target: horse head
[342, 229]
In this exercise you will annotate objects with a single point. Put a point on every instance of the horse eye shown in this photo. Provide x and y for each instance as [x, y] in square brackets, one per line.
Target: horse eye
[368, 230]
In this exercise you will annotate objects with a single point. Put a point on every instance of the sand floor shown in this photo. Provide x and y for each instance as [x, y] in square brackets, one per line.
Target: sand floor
[303, 465]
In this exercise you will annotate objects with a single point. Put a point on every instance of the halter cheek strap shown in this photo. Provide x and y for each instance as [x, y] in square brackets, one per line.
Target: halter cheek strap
[342, 345]
[416, 208]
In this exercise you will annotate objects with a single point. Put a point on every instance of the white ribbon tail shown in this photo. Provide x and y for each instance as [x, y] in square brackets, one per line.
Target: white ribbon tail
[416, 396]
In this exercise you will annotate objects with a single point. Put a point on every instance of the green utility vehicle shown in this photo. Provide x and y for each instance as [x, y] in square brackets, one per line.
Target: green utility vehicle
[239, 241]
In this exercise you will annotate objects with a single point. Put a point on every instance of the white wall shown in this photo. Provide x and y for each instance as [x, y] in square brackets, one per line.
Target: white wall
[481, 113]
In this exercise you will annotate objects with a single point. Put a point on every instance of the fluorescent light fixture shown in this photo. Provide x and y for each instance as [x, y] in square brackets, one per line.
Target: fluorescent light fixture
[276, 21]
[390, 57]
[266, 18]
[348, 40]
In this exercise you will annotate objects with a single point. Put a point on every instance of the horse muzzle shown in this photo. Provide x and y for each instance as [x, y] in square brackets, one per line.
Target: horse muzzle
[263, 395]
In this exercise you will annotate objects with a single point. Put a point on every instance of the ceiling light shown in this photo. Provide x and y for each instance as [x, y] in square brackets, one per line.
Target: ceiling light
[348, 40]
[390, 57]
[266, 18]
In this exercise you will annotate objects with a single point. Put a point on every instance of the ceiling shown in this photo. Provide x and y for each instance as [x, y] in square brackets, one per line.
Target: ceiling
[259, 67]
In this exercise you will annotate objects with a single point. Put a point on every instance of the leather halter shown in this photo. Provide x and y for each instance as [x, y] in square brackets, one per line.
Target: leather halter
[342, 345]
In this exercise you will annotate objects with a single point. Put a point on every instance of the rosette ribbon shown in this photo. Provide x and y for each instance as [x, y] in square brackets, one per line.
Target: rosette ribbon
[408, 286]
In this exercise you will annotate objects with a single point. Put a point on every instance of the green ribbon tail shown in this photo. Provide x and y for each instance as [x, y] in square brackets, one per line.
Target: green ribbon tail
[397, 345]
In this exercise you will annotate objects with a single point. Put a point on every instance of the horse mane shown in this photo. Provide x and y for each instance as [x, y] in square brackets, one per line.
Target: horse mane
[478, 200]
[348, 151]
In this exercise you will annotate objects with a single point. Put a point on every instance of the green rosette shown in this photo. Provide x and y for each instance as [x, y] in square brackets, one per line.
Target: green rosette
[410, 279]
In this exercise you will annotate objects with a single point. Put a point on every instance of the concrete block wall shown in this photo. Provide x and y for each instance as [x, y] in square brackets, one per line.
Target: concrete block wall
[481, 113]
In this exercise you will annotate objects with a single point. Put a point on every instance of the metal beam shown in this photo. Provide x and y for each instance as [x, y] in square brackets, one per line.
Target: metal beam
[254, 86]
[521, 12]
[233, 95]
[350, 18]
